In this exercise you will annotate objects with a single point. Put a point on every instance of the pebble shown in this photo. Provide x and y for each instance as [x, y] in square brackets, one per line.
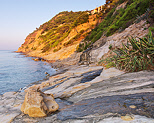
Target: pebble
[132, 106]
[127, 118]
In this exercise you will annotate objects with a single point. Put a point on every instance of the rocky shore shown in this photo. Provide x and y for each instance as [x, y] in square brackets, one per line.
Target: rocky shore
[89, 94]
[82, 91]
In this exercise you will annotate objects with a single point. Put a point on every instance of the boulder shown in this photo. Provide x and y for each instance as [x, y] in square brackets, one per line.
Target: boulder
[38, 104]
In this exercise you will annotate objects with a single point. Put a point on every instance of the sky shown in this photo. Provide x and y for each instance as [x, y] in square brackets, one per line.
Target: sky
[18, 18]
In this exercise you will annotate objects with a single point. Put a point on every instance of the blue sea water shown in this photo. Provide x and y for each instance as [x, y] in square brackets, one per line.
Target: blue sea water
[17, 71]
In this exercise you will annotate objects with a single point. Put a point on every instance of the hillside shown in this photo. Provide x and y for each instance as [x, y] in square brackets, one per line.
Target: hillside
[68, 34]
[126, 13]
[59, 33]
[60, 37]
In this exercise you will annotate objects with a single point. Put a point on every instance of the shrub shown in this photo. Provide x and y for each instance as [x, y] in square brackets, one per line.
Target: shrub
[58, 28]
[83, 18]
[27, 47]
[136, 56]
[46, 48]
[98, 36]
[108, 62]
[152, 29]
[55, 50]
[110, 47]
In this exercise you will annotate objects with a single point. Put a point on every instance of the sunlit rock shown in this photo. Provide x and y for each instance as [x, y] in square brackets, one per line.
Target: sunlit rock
[132, 106]
[38, 104]
[127, 118]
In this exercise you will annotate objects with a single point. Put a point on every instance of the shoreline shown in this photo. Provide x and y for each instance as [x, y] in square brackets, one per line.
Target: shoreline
[69, 93]
[80, 87]
[20, 89]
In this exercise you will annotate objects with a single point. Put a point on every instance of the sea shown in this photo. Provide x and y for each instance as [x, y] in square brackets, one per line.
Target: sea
[18, 71]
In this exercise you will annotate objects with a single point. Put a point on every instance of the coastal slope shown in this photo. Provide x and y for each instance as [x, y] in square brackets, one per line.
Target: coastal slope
[78, 36]
[85, 90]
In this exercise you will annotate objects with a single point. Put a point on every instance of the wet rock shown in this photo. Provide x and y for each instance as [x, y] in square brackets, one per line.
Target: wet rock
[76, 80]
[91, 75]
[38, 104]
[9, 94]
[63, 103]
[46, 72]
[36, 59]
[71, 90]
[8, 118]
[10, 104]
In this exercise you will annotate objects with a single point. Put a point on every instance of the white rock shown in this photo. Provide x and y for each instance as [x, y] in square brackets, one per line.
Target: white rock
[106, 74]
[7, 118]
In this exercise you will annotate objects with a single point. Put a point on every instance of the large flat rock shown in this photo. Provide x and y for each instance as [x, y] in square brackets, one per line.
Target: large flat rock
[122, 98]
[125, 84]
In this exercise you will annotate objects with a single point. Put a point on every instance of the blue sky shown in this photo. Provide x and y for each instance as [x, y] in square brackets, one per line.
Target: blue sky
[18, 18]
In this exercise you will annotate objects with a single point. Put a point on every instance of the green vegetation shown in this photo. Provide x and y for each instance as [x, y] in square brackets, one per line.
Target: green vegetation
[83, 18]
[33, 48]
[55, 50]
[136, 55]
[71, 41]
[58, 28]
[119, 20]
[152, 29]
[27, 47]
[108, 62]
[110, 47]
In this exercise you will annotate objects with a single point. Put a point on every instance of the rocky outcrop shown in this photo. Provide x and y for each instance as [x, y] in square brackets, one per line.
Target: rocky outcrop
[123, 5]
[68, 83]
[85, 95]
[38, 104]
[10, 104]
[109, 4]
[101, 47]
